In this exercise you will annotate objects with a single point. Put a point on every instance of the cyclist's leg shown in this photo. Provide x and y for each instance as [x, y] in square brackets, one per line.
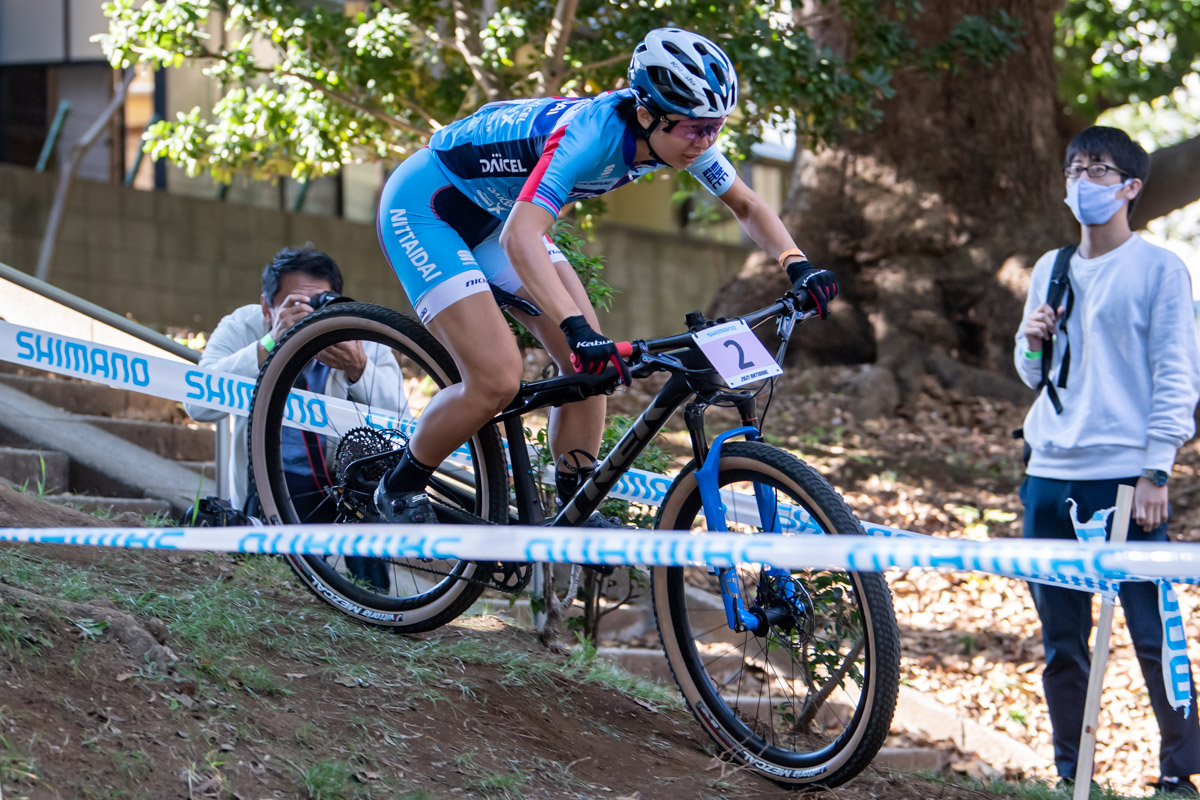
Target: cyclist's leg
[573, 426]
[474, 332]
[453, 300]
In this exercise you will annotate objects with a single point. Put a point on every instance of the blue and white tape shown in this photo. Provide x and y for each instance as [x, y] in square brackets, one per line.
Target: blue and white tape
[1019, 558]
[231, 393]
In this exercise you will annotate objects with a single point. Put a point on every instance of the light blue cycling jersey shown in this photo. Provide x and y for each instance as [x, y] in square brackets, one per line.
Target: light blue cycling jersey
[551, 151]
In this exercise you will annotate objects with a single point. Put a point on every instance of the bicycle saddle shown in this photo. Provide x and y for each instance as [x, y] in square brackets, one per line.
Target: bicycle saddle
[509, 300]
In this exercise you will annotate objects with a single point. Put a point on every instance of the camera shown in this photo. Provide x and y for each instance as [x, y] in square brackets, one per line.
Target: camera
[325, 298]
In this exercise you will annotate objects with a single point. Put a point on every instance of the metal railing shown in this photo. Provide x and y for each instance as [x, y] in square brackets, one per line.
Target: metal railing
[99, 327]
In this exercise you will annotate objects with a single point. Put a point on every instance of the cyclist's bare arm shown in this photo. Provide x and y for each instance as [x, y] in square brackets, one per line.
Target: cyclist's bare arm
[757, 219]
[521, 239]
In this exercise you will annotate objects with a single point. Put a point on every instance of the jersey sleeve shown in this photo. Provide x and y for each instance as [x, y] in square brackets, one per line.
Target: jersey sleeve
[714, 171]
[568, 153]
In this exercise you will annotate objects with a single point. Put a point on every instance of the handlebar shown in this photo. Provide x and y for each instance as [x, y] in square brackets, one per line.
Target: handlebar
[789, 305]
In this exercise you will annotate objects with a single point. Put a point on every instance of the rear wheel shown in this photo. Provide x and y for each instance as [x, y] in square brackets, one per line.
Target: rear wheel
[807, 701]
[329, 477]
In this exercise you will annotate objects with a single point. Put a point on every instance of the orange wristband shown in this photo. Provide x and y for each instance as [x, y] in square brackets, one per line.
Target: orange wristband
[795, 251]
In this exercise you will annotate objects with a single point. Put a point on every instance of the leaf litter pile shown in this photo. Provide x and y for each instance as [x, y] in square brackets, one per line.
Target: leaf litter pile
[971, 642]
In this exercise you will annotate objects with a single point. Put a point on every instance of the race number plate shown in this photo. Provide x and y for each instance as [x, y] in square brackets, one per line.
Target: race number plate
[736, 353]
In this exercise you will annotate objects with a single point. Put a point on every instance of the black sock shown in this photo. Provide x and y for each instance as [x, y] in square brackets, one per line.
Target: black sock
[409, 475]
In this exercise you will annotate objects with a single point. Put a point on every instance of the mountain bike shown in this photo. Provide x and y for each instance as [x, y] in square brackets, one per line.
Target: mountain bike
[793, 673]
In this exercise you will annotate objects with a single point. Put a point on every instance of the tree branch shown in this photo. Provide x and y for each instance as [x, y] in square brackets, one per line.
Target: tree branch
[557, 36]
[607, 62]
[463, 33]
[1174, 181]
[358, 105]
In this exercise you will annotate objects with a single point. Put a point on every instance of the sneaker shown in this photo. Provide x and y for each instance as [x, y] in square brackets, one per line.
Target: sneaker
[408, 508]
[598, 520]
[1180, 787]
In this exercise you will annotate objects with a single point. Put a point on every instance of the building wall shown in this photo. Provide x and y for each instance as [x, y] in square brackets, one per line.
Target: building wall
[171, 260]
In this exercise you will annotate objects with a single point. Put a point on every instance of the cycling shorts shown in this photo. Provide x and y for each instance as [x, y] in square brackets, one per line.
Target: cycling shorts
[441, 245]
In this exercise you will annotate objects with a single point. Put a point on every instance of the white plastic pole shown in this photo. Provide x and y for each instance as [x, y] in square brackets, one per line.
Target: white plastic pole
[1086, 761]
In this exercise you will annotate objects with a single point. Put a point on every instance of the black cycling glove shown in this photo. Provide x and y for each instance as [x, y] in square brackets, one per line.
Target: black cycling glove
[593, 351]
[819, 284]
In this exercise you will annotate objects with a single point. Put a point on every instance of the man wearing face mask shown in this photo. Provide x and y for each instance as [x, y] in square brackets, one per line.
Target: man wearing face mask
[1126, 376]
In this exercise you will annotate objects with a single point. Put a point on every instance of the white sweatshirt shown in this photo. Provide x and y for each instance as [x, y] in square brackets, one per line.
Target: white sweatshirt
[233, 347]
[1134, 374]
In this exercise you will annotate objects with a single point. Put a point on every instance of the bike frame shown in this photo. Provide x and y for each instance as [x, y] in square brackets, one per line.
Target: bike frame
[693, 381]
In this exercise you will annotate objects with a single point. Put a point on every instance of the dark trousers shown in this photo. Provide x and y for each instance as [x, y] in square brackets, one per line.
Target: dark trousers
[1066, 616]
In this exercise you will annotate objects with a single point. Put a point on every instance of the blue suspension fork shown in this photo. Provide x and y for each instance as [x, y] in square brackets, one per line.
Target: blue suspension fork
[738, 617]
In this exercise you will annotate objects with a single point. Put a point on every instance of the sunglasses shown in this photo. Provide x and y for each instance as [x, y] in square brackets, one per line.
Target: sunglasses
[702, 128]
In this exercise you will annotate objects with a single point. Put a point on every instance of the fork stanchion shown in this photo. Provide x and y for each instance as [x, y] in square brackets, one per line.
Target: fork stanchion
[1086, 761]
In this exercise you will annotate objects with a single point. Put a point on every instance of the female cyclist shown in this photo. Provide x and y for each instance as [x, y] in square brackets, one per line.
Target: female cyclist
[473, 210]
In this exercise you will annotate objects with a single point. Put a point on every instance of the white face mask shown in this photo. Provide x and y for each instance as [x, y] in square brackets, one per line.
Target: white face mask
[1093, 203]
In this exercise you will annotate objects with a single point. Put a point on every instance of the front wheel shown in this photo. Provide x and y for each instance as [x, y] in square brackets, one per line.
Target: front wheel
[807, 700]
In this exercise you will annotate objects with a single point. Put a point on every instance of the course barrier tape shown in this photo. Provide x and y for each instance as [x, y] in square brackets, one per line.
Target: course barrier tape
[173, 380]
[1023, 559]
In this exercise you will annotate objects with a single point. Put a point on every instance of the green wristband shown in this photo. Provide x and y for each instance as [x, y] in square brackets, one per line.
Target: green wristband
[1028, 354]
[267, 342]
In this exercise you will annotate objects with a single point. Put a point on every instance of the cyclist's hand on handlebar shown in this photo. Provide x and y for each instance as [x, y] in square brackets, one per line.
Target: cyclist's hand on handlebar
[818, 284]
[592, 351]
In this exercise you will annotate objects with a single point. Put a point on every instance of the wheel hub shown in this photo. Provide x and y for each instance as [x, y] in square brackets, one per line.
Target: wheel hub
[787, 609]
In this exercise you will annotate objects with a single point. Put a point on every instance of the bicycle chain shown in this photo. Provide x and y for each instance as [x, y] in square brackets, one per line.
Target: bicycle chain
[491, 583]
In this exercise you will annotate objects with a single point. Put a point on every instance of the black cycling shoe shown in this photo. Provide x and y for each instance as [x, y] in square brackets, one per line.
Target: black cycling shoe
[407, 508]
[1179, 787]
[598, 520]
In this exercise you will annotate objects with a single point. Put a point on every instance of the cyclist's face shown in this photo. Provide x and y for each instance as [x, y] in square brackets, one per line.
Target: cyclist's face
[680, 140]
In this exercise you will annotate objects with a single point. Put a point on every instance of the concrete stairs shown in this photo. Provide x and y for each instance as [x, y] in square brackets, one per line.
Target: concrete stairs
[917, 719]
[100, 449]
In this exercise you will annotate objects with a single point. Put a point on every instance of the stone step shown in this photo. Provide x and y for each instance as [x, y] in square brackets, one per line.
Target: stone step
[143, 506]
[208, 468]
[175, 442]
[95, 399]
[104, 464]
[620, 624]
[914, 713]
[652, 664]
[36, 471]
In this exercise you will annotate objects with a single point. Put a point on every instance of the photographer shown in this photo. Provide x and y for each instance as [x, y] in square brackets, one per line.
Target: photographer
[362, 372]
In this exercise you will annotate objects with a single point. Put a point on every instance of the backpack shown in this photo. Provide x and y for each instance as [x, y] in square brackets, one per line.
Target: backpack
[1060, 287]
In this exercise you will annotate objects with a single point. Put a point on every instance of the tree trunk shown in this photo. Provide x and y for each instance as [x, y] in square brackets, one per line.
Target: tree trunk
[1174, 181]
[932, 220]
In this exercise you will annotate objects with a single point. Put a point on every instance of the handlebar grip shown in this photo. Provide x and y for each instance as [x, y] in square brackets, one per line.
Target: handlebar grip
[624, 350]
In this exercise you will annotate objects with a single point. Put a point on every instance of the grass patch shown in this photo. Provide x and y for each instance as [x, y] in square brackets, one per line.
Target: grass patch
[489, 783]
[224, 625]
[1025, 790]
[330, 779]
[15, 764]
[19, 637]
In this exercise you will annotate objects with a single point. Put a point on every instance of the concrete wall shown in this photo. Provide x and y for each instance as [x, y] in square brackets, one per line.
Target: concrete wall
[171, 260]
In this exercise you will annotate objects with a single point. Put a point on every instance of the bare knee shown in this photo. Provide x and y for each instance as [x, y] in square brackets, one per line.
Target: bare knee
[492, 388]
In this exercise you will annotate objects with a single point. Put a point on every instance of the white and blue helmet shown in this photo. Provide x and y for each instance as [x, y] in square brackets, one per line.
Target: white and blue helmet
[675, 71]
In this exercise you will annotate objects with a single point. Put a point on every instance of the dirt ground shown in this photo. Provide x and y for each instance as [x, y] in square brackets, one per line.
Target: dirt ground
[261, 692]
[273, 696]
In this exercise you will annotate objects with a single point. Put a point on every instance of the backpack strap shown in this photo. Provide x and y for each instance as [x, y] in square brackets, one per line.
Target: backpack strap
[1060, 286]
